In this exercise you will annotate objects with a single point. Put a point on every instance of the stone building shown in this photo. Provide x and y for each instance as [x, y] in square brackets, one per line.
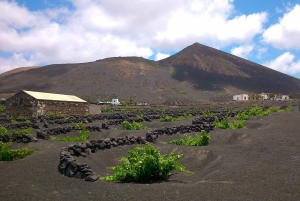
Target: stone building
[33, 104]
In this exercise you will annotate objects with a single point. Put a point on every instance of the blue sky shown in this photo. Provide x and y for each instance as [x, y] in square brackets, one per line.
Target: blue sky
[35, 33]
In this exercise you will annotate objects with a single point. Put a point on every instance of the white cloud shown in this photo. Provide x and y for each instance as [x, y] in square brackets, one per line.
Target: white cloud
[15, 60]
[160, 56]
[98, 29]
[285, 63]
[242, 51]
[285, 34]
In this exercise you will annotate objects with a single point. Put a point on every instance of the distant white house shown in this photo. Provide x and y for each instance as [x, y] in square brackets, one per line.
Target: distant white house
[241, 97]
[283, 97]
[115, 101]
[266, 96]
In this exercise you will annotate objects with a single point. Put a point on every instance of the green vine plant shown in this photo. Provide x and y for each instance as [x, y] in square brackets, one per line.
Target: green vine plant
[2, 108]
[84, 135]
[8, 154]
[198, 140]
[27, 131]
[171, 119]
[146, 164]
[133, 126]
[224, 124]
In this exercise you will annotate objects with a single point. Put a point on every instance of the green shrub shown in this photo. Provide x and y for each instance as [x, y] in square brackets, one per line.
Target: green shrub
[198, 140]
[7, 154]
[107, 110]
[88, 114]
[124, 110]
[80, 124]
[55, 115]
[167, 119]
[84, 135]
[3, 130]
[207, 113]
[242, 116]
[133, 126]
[27, 131]
[140, 116]
[146, 164]
[182, 92]
[2, 108]
[171, 119]
[13, 121]
[224, 124]
[255, 111]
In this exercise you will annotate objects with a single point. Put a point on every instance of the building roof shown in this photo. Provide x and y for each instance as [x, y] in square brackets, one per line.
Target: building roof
[54, 97]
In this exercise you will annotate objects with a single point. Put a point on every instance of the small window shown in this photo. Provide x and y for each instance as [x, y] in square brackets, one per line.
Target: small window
[21, 101]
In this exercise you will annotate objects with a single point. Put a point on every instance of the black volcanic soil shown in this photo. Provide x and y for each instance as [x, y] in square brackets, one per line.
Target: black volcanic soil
[261, 162]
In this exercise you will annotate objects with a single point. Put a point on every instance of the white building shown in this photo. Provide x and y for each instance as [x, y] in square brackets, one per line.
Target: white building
[115, 101]
[283, 97]
[241, 97]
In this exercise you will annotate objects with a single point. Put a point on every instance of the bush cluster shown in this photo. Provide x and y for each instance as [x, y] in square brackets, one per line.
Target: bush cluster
[84, 135]
[145, 164]
[255, 111]
[170, 119]
[2, 108]
[27, 131]
[133, 126]
[224, 124]
[242, 116]
[7, 154]
[198, 140]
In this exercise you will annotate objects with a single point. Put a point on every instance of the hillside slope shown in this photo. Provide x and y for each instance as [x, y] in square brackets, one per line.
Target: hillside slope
[197, 73]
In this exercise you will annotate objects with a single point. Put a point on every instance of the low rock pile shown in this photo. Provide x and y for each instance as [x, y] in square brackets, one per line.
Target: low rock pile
[152, 135]
[45, 133]
[17, 138]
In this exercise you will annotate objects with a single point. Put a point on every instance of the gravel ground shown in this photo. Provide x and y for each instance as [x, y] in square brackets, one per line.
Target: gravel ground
[261, 162]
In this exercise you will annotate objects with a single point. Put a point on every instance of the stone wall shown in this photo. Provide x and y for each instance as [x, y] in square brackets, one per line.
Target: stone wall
[21, 104]
[61, 107]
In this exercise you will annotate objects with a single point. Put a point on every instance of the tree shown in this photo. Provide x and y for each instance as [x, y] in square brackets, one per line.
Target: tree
[291, 96]
[271, 95]
[257, 96]
[252, 96]
[278, 96]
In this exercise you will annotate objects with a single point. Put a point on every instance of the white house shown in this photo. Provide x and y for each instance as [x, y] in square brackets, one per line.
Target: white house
[241, 97]
[283, 97]
[115, 101]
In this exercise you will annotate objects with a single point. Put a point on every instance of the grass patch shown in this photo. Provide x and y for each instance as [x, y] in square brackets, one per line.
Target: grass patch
[198, 140]
[84, 135]
[224, 124]
[182, 92]
[133, 126]
[8, 154]
[146, 164]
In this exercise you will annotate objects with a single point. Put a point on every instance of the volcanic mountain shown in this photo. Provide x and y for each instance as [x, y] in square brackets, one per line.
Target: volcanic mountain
[197, 73]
